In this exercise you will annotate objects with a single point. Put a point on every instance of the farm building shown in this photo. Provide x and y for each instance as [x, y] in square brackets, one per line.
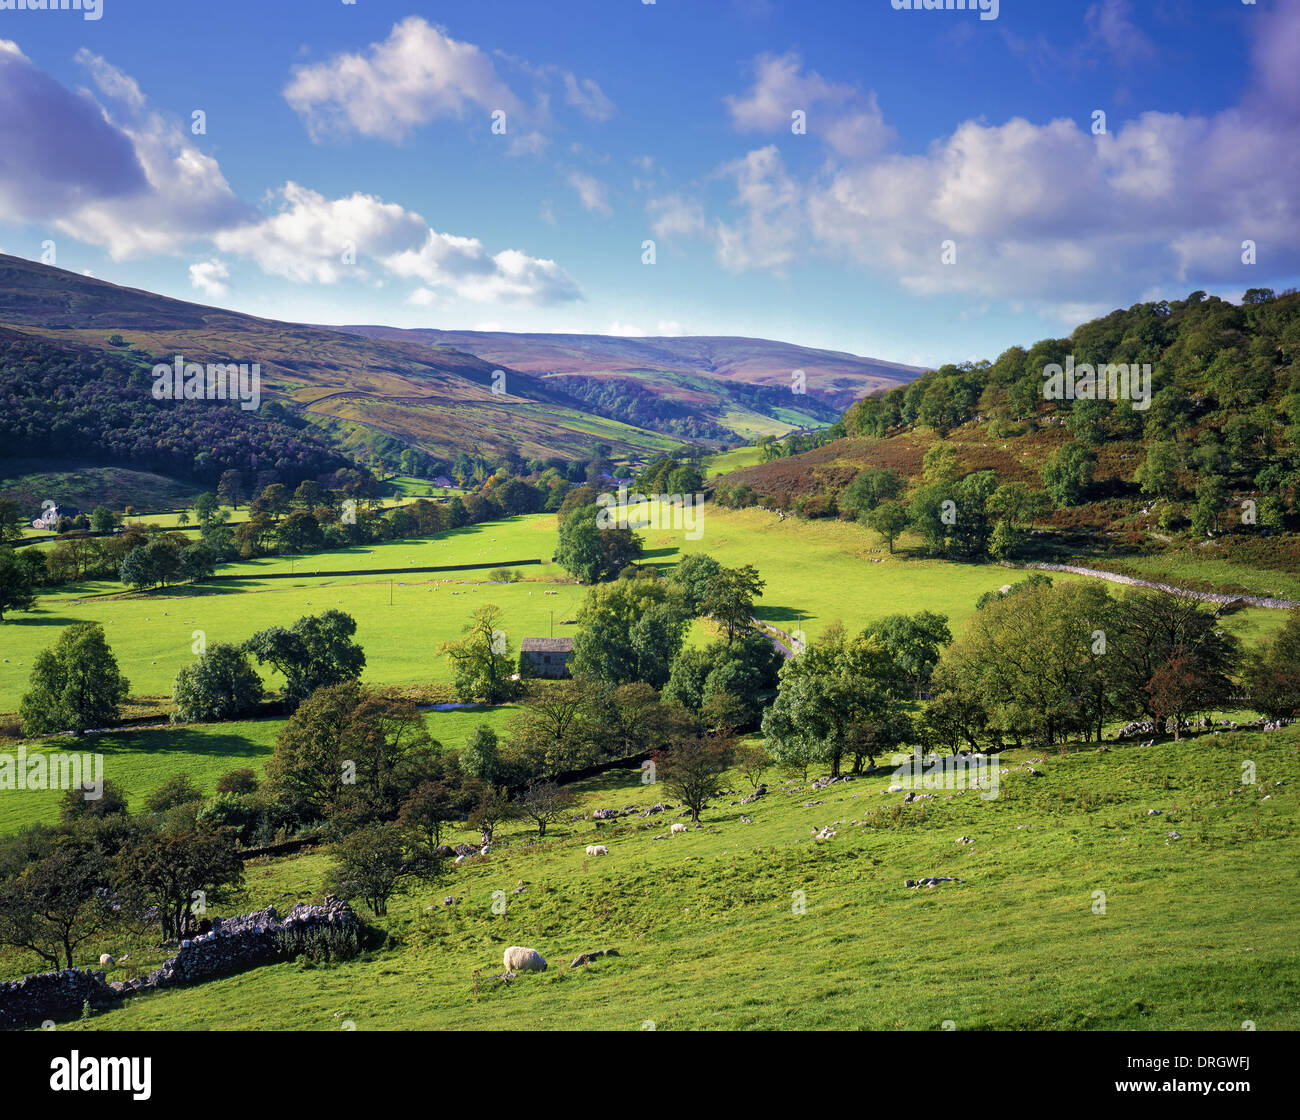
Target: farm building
[52, 514]
[545, 657]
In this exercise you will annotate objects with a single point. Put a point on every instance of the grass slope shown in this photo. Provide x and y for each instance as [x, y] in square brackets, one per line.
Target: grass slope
[1198, 932]
[86, 485]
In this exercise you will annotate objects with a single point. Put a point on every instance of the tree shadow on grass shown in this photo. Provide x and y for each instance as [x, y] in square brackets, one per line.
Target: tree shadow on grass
[191, 742]
[45, 620]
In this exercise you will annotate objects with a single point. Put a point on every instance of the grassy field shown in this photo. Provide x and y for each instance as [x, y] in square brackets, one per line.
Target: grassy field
[139, 760]
[727, 461]
[816, 572]
[1197, 932]
[407, 487]
[705, 923]
[1194, 566]
[85, 485]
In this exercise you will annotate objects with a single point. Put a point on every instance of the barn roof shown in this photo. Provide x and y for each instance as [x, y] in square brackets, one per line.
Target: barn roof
[546, 645]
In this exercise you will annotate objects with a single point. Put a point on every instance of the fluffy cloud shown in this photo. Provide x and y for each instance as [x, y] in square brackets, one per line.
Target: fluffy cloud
[1043, 208]
[315, 239]
[312, 239]
[126, 179]
[591, 192]
[843, 117]
[60, 152]
[416, 75]
[210, 277]
[183, 195]
[767, 234]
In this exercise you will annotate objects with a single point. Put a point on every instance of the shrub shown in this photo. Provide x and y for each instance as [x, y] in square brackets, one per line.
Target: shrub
[177, 790]
[243, 780]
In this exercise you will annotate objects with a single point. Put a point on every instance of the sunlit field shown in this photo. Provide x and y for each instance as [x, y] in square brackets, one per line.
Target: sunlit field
[750, 923]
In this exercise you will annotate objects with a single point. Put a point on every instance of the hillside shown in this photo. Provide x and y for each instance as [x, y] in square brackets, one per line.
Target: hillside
[742, 384]
[28, 482]
[377, 390]
[438, 400]
[749, 923]
[1202, 474]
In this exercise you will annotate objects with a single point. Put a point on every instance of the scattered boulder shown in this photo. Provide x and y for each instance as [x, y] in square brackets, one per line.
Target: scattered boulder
[587, 958]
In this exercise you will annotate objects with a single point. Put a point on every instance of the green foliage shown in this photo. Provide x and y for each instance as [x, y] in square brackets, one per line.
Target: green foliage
[889, 519]
[16, 584]
[1067, 474]
[372, 862]
[75, 685]
[481, 661]
[317, 651]
[176, 791]
[351, 754]
[480, 757]
[169, 869]
[591, 547]
[630, 630]
[836, 685]
[220, 684]
[871, 487]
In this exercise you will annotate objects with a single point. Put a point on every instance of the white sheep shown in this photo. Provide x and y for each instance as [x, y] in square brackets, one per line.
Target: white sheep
[107, 960]
[678, 827]
[597, 850]
[519, 959]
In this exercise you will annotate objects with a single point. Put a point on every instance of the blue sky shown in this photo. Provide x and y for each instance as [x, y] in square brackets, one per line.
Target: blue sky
[349, 171]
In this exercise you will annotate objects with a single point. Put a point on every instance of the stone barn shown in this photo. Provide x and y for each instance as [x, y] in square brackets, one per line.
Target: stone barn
[545, 657]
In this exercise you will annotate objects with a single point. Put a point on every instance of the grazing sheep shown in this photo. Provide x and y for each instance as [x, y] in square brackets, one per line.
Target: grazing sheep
[519, 959]
[106, 959]
[597, 850]
[678, 827]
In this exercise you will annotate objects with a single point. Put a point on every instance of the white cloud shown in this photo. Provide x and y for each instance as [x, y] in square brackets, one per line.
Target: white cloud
[675, 215]
[210, 277]
[185, 196]
[418, 74]
[313, 239]
[591, 191]
[1043, 212]
[767, 234]
[587, 97]
[310, 238]
[843, 117]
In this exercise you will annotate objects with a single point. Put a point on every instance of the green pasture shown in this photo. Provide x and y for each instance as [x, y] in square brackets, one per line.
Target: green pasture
[816, 572]
[1076, 909]
[139, 760]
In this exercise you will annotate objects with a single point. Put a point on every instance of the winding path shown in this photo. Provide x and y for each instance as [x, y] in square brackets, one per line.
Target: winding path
[1131, 581]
